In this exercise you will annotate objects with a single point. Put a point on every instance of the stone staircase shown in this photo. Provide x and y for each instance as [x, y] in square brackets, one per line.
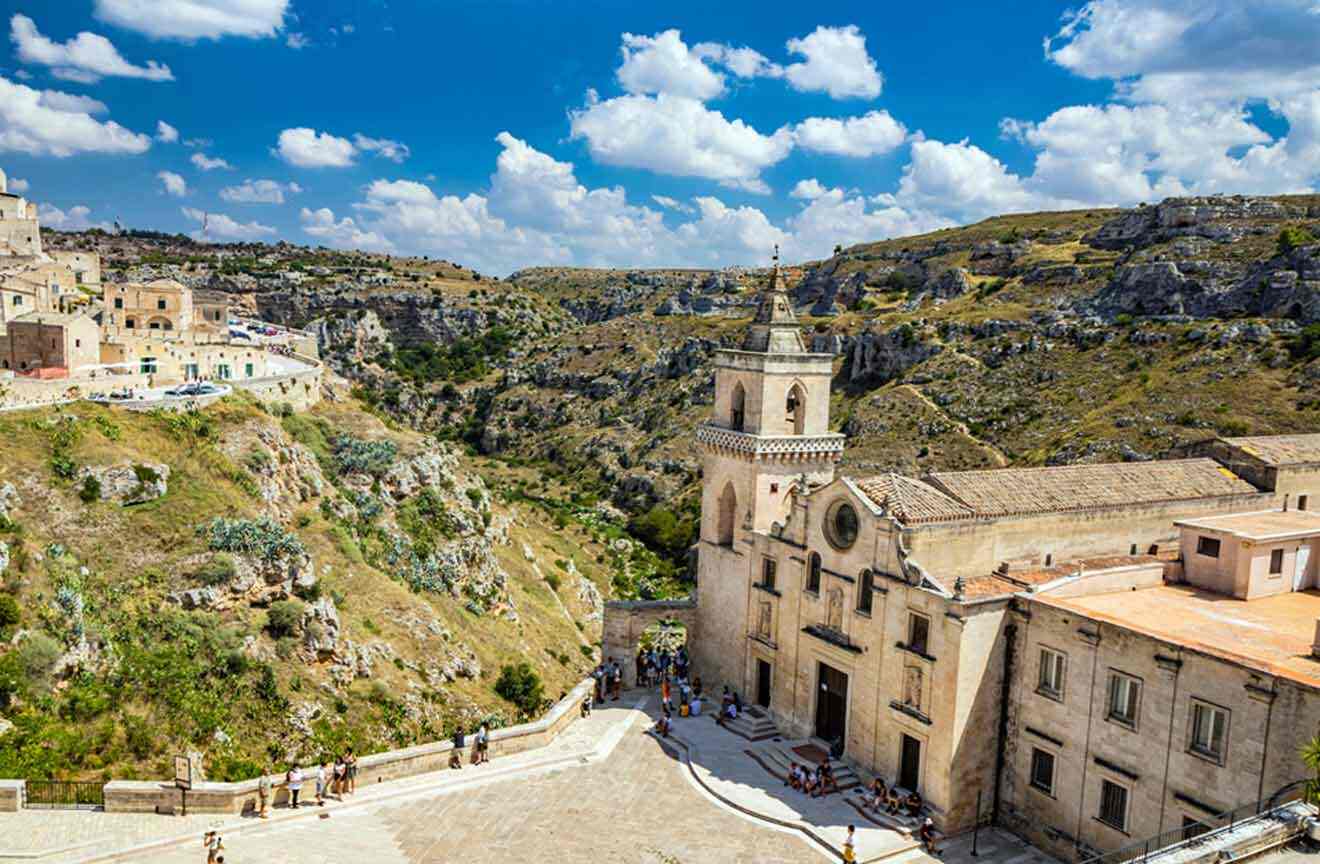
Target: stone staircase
[778, 757]
[754, 725]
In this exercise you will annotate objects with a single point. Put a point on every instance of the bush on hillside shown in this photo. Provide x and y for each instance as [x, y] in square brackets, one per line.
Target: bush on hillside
[10, 614]
[283, 618]
[522, 686]
[90, 491]
[37, 656]
[356, 456]
[261, 537]
[1291, 237]
[219, 570]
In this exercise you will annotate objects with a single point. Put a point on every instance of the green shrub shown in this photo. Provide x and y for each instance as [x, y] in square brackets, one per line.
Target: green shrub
[262, 537]
[1306, 344]
[145, 474]
[90, 491]
[553, 580]
[522, 686]
[37, 656]
[10, 615]
[219, 570]
[283, 618]
[1291, 237]
[356, 456]
[475, 496]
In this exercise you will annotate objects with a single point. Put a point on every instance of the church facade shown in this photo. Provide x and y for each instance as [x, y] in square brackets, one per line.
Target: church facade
[887, 615]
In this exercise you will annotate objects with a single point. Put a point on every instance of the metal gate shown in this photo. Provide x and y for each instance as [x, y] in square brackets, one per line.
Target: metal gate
[64, 795]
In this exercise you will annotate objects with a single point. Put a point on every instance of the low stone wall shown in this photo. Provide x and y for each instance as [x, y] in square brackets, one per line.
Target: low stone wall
[11, 795]
[22, 392]
[135, 796]
[301, 389]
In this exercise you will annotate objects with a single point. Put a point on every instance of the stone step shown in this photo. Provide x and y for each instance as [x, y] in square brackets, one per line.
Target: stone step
[778, 757]
[752, 728]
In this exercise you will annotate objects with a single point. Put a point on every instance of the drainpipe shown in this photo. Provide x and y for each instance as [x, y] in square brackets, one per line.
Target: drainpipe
[1086, 748]
[1265, 747]
[1010, 642]
[1168, 749]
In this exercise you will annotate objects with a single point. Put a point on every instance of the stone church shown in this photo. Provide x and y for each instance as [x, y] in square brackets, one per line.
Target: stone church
[915, 623]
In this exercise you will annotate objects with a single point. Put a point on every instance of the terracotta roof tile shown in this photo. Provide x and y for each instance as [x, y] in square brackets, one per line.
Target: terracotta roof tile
[1018, 491]
[1280, 449]
[910, 500]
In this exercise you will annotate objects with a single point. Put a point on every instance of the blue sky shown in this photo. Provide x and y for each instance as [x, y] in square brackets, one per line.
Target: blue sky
[503, 134]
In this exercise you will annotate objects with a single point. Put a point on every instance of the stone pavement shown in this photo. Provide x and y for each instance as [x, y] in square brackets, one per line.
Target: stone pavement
[604, 791]
[59, 834]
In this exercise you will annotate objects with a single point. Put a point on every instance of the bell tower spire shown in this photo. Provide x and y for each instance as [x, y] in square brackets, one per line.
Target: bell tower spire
[775, 328]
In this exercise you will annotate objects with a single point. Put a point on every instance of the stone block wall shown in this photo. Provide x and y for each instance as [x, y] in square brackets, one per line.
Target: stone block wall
[626, 621]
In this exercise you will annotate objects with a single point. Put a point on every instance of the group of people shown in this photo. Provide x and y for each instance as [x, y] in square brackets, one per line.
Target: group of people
[653, 665]
[815, 782]
[337, 777]
[731, 706]
[608, 676]
[890, 799]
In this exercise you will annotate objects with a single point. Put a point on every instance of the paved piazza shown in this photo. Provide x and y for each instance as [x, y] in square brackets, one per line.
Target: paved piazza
[605, 791]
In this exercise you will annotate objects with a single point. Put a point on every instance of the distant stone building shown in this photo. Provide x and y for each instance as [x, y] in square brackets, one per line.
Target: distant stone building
[163, 305]
[20, 233]
[50, 344]
[924, 626]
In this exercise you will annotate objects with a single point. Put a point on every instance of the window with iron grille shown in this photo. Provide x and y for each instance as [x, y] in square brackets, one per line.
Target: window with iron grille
[1113, 805]
[1042, 770]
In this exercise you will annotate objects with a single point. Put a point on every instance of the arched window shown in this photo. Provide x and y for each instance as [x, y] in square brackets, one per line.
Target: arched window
[796, 409]
[813, 573]
[737, 407]
[727, 511]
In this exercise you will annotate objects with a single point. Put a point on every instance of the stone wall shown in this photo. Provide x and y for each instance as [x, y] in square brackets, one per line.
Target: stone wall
[11, 795]
[301, 389]
[134, 796]
[626, 621]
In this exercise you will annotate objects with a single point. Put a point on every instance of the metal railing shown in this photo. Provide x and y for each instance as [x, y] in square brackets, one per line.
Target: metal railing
[64, 795]
[1200, 833]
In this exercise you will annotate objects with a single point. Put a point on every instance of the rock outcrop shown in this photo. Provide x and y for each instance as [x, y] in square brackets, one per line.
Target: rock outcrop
[130, 483]
[885, 355]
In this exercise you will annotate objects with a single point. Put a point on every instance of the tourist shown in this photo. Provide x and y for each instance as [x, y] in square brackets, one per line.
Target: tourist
[483, 744]
[323, 774]
[263, 794]
[794, 778]
[878, 793]
[664, 692]
[616, 678]
[827, 781]
[850, 845]
[586, 706]
[350, 770]
[664, 723]
[340, 776]
[455, 760]
[211, 840]
[913, 803]
[892, 801]
[928, 836]
[694, 707]
[696, 684]
[810, 782]
[599, 675]
[294, 778]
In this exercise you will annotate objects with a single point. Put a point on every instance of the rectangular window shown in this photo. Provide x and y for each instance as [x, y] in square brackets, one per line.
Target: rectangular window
[247, 373]
[223, 373]
[119, 302]
[1042, 770]
[1124, 697]
[160, 304]
[918, 632]
[1276, 562]
[1207, 546]
[813, 573]
[865, 590]
[1113, 805]
[147, 366]
[1302, 502]
[18, 299]
[768, 566]
[1193, 828]
[1050, 682]
[1209, 730]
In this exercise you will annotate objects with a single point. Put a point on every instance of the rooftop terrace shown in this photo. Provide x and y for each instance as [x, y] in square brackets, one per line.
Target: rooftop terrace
[1270, 634]
[1268, 525]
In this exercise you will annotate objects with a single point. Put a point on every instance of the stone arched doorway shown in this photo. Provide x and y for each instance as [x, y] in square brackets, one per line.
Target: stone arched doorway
[628, 623]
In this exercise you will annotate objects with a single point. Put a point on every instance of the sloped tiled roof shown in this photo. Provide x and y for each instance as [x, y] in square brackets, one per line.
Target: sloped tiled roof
[1280, 449]
[911, 500]
[1020, 491]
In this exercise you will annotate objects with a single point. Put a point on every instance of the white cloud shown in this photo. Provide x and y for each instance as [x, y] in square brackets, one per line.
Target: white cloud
[73, 219]
[190, 20]
[52, 123]
[742, 62]
[165, 133]
[836, 63]
[679, 136]
[672, 204]
[808, 189]
[962, 180]
[172, 183]
[872, 134]
[86, 58]
[663, 64]
[218, 226]
[344, 234]
[725, 233]
[16, 185]
[206, 163]
[311, 149]
[297, 41]
[394, 151]
[259, 192]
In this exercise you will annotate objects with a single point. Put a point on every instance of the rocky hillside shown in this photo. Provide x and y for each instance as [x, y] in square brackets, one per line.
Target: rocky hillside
[1024, 339]
[256, 587]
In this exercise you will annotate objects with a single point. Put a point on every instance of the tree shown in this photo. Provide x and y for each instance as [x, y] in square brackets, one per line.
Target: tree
[1311, 759]
[522, 686]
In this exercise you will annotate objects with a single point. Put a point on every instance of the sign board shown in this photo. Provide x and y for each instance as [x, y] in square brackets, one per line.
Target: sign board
[183, 772]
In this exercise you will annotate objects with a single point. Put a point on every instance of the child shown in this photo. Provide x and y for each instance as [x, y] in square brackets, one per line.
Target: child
[850, 845]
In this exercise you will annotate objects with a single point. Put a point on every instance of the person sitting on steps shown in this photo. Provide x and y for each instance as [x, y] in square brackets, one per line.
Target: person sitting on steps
[878, 794]
[827, 781]
[810, 783]
[913, 803]
[927, 834]
[892, 801]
